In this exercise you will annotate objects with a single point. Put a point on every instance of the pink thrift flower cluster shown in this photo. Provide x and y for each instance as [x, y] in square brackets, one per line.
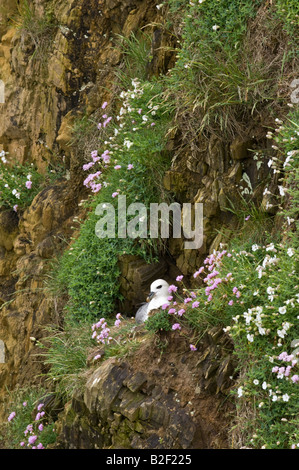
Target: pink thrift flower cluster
[11, 416]
[285, 371]
[101, 331]
[173, 308]
[32, 430]
[118, 320]
[104, 335]
[94, 180]
[212, 278]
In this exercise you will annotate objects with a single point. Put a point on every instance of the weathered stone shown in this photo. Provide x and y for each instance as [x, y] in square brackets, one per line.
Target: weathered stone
[104, 386]
[130, 405]
[8, 228]
[239, 149]
[225, 373]
[146, 409]
[135, 382]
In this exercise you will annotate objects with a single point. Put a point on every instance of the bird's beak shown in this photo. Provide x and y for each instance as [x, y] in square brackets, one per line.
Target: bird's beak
[150, 296]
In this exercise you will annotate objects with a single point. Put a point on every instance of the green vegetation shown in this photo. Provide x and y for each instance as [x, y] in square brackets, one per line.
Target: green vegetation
[39, 27]
[20, 183]
[28, 425]
[159, 321]
[251, 284]
[220, 79]
[132, 165]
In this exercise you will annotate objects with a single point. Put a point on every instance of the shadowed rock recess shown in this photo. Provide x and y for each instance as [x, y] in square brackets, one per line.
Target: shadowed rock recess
[161, 395]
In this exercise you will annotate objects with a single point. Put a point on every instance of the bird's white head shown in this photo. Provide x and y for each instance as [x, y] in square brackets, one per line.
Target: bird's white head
[159, 288]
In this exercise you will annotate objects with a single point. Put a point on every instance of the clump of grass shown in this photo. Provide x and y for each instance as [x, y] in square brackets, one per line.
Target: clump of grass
[38, 27]
[218, 81]
[136, 55]
[65, 353]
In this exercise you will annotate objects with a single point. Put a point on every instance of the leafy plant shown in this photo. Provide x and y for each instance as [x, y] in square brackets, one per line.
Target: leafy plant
[19, 183]
[22, 430]
[159, 321]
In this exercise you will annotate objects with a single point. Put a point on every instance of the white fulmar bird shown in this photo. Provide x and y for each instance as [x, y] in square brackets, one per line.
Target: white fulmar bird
[158, 296]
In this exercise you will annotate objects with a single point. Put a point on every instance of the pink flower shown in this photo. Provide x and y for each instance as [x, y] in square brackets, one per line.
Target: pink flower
[40, 446]
[28, 184]
[169, 298]
[107, 121]
[117, 167]
[179, 278]
[192, 347]
[139, 111]
[195, 304]
[153, 124]
[187, 300]
[115, 194]
[165, 306]
[181, 312]
[171, 310]
[24, 403]
[32, 439]
[40, 406]
[117, 323]
[104, 105]
[231, 302]
[11, 416]
[40, 427]
[22, 443]
[176, 326]
[130, 166]
[87, 166]
[295, 378]
[99, 125]
[235, 290]
[15, 207]
[118, 316]
[198, 272]
[96, 187]
[247, 218]
[172, 288]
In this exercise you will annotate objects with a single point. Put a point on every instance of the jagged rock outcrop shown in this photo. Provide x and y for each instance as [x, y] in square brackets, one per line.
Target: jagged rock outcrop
[152, 400]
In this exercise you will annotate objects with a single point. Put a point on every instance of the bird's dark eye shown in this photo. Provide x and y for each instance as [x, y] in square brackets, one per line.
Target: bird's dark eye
[159, 287]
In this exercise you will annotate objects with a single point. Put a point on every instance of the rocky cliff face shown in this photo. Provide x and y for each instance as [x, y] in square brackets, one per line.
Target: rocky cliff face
[142, 401]
[49, 80]
[174, 400]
